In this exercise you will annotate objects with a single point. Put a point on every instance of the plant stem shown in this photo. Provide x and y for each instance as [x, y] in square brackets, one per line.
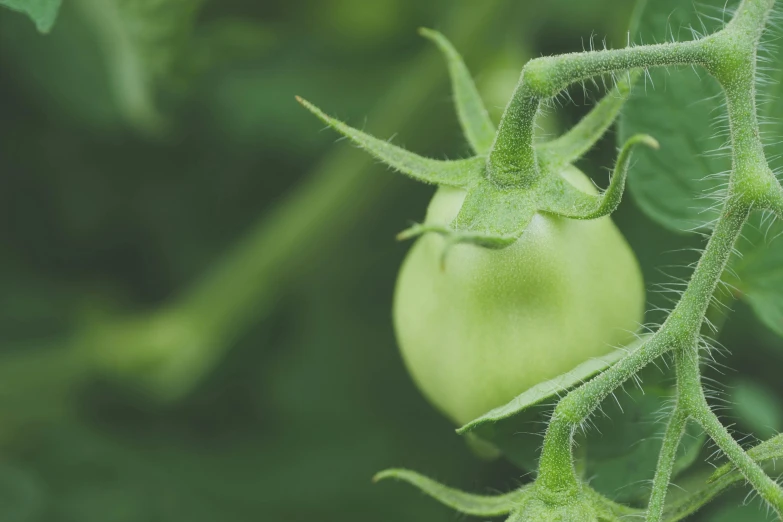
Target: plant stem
[512, 160]
[663, 473]
[761, 482]
[680, 329]
[751, 185]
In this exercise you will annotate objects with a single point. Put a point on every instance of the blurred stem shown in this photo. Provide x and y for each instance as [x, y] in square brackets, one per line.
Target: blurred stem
[245, 285]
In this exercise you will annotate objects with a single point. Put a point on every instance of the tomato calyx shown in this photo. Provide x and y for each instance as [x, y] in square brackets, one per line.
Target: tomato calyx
[494, 215]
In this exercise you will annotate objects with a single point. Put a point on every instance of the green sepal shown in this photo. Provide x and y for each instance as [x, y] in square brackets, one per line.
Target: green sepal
[546, 390]
[492, 216]
[466, 503]
[473, 116]
[561, 198]
[581, 137]
[456, 173]
[495, 216]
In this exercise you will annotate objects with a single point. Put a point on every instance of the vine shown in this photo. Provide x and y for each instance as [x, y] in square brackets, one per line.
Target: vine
[514, 172]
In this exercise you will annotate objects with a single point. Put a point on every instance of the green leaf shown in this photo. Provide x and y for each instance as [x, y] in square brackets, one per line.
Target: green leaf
[758, 271]
[457, 173]
[682, 108]
[473, 116]
[144, 42]
[21, 495]
[42, 12]
[546, 391]
[467, 503]
[757, 407]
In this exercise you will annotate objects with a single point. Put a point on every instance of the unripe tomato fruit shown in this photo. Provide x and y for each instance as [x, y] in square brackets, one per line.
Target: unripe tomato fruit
[490, 324]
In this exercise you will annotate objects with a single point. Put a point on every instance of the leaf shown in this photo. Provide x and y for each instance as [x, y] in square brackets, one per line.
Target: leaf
[42, 12]
[682, 108]
[21, 495]
[145, 42]
[467, 503]
[546, 391]
[473, 116]
[457, 173]
[758, 407]
[758, 271]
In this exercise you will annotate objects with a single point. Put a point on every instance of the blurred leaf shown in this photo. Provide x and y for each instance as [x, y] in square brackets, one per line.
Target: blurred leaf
[228, 40]
[758, 270]
[21, 495]
[754, 512]
[144, 42]
[68, 77]
[682, 108]
[42, 12]
[758, 408]
[38, 390]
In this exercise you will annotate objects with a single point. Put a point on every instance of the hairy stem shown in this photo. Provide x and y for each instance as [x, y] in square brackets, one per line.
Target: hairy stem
[769, 490]
[751, 185]
[680, 329]
[663, 473]
[512, 160]
[695, 404]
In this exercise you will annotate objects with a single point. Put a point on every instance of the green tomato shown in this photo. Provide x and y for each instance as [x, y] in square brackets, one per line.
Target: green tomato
[490, 324]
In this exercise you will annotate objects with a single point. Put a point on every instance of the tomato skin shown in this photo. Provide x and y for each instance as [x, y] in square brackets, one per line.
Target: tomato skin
[493, 323]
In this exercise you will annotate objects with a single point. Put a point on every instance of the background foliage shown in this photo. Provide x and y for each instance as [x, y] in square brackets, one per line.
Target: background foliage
[121, 190]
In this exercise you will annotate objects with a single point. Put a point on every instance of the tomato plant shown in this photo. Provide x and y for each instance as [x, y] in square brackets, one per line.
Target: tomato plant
[517, 309]
[459, 329]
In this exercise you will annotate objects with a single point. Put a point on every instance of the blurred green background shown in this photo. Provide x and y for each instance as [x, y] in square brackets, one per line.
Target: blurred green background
[196, 280]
